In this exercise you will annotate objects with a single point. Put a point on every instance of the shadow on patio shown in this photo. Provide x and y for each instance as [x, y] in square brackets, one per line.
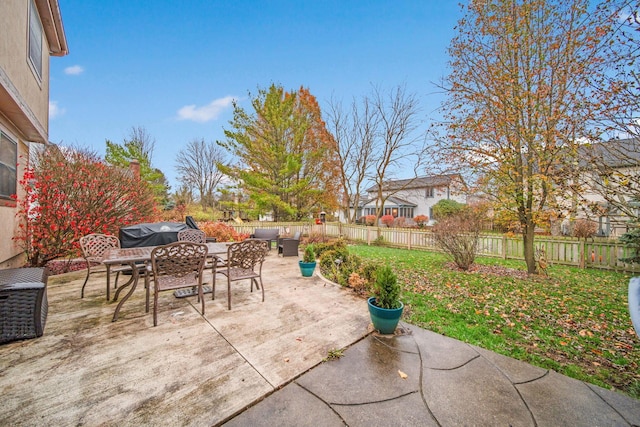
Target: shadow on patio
[189, 370]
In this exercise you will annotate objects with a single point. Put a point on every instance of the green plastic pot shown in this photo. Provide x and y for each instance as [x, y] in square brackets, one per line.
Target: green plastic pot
[384, 320]
[307, 268]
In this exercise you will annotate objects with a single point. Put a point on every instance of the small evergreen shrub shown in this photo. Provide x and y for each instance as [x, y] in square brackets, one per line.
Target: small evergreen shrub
[387, 288]
[631, 240]
[309, 254]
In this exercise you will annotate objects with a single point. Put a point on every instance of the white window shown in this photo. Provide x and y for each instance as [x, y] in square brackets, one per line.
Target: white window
[429, 192]
[8, 166]
[35, 40]
[406, 212]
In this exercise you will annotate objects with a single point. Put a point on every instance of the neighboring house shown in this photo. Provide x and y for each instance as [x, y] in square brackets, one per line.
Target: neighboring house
[30, 32]
[609, 175]
[409, 198]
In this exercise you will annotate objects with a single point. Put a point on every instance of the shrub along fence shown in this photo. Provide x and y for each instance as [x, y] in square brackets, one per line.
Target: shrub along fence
[597, 252]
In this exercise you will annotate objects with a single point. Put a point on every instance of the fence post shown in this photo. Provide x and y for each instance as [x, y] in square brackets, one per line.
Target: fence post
[504, 247]
[409, 245]
[368, 236]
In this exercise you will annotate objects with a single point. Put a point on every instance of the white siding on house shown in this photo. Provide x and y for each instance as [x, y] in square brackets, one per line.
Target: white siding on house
[411, 198]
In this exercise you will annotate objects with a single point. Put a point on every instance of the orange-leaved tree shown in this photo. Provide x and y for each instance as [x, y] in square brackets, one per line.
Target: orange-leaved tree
[284, 152]
[519, 98]
[321, 170]
[71, 193]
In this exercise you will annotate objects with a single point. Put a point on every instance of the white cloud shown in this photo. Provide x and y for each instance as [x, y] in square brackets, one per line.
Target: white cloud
[55, 110]
[207, 112]
[74, 70]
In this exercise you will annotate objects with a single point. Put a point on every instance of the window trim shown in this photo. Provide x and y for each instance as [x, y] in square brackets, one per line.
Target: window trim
[429, 193]
[35, 26]
[11, 167]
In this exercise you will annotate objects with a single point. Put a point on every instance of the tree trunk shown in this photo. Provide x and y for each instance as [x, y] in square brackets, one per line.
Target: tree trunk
[529, 252]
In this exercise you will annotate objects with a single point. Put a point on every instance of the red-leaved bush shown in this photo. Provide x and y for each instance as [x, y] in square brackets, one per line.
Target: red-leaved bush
[221, 231]
[421, 220]
[387, 220]
[370, 220]
[71, 193]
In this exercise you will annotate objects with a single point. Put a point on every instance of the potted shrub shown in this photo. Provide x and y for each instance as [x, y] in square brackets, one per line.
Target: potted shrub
[308, 262]
[385, 308]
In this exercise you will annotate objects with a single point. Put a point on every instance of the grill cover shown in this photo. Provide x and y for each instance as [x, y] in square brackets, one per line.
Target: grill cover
[150, 234]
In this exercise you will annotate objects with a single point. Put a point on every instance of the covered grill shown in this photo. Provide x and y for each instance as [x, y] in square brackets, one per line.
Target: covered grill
[151, 234]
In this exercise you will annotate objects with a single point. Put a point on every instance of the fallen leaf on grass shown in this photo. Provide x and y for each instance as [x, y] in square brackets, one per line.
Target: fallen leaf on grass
[403, 375]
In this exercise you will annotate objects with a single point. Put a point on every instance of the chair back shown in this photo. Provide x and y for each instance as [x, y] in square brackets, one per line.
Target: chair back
[296, 235]
[178, 264]
[247, 254]
[192, 235]
[94, 246]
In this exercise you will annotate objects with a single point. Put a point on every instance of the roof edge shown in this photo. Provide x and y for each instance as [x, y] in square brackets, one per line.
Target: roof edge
[51, 18]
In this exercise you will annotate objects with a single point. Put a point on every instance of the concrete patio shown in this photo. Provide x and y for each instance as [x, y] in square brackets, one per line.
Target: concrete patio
[190, 369]
[261, 364]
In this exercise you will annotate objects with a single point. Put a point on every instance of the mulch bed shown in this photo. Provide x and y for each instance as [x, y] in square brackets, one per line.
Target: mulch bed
[60, 266]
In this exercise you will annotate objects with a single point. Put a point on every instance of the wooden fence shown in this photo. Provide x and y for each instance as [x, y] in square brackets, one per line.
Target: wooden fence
[597, 253]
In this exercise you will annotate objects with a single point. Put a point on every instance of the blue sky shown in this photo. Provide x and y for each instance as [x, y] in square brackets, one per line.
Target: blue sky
[173, 67]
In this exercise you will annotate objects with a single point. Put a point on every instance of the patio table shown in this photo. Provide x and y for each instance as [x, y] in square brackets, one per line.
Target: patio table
[134, 256]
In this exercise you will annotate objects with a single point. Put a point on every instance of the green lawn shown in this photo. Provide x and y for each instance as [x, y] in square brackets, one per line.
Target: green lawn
[575, 321]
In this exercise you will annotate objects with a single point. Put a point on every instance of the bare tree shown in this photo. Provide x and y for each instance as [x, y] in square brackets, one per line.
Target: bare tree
[395, 147]
[375, 142]
[139, 145]
[198, 165]
[143, 140]
[354, 133]
[617, 90]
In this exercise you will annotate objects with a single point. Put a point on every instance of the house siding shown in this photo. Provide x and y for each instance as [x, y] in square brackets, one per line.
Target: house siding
[450, 187]
[24, 100]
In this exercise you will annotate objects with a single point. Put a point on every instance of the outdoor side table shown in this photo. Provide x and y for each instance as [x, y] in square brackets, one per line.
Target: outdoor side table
[23, 303]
